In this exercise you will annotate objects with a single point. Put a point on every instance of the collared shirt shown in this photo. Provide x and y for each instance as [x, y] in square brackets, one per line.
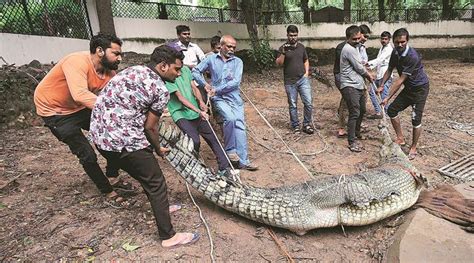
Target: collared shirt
[409, 64]
[193, 54]
[381, 62]
[352, 68]
[363, 53]
[119, 115]
[225, 76]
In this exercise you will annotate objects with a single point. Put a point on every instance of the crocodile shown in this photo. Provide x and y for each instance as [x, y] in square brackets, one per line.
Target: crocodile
[348, 200]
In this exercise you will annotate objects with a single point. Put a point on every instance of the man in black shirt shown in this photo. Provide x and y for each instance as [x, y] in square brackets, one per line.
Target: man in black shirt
[293, 57]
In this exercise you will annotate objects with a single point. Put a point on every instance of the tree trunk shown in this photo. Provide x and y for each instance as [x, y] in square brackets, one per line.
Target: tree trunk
[305, 9]
[106, 19]
[347, 10]
[381, 10]
[447, 9]
[248, 9]
[234, 15]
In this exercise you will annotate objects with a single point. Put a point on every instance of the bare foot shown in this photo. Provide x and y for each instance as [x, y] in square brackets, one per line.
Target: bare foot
[400, 141]
[180, 239]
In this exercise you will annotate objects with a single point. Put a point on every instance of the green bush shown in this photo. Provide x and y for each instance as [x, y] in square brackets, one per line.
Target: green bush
[262, 55]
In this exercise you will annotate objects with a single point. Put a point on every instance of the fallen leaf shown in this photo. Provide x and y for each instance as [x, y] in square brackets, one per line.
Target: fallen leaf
[129, 247]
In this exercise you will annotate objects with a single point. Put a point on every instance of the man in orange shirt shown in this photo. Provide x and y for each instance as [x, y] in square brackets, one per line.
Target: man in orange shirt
[66, 96]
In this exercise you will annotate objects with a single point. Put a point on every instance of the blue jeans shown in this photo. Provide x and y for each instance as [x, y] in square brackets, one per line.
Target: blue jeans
[235, 136]
[302, 87]
[383, 95]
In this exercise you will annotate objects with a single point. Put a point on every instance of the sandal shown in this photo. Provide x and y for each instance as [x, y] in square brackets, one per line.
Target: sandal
[412, 156]
[175, 208]
[308, 129]
[296, 129]
[195, 237]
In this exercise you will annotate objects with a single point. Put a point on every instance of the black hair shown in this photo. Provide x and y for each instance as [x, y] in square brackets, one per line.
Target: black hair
[386, 34]
[215, 40]
[291, 29]
[104, 41]
[401, 32]
[352, 30]
[364, 29]
[165, 54]
[182, 28]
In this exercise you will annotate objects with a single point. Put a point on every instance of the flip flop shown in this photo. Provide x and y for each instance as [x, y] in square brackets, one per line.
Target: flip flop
[412, 156]
[343, 135]
[175, 208]
[193, 240]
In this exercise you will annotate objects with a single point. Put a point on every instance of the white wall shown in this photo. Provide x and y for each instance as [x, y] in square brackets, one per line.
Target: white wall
[442, 34]
[22, 49]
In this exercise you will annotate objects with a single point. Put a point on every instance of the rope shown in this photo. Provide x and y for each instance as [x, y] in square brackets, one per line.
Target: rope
[235, 175]
[211, 252]
[279, 136]
[281, 246]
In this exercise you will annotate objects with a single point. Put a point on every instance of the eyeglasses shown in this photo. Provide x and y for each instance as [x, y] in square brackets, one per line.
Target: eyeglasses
[186, 34]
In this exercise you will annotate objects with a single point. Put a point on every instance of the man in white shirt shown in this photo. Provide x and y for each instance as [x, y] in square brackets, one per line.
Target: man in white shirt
[381, 64]
[193, 54]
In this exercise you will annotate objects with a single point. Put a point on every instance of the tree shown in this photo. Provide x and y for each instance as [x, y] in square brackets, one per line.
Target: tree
[447, 9]
[106, 19]
[347, 10]
[381, 5]
[248, 9]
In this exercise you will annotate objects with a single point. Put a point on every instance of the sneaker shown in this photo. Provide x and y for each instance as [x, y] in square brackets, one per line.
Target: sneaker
[248, 167]
[375, 116]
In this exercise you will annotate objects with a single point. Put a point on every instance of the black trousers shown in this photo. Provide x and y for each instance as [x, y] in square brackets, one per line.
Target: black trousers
[196, 127]
[355, 100]
[68, 129]
[143, 166]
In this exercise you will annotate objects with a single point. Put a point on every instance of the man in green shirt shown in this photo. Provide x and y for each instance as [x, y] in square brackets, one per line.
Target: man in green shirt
[189, 112]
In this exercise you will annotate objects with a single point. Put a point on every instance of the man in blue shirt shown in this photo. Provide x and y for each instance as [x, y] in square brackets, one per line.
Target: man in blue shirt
[413, 77]
[226, 74]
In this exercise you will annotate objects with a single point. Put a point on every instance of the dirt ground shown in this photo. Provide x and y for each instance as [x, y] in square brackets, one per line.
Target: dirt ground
[51, 211]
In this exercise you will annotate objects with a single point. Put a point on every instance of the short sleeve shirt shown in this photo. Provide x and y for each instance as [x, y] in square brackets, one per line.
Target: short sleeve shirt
[183, 85]
[409, 63]
[293, 67]
[119, 115]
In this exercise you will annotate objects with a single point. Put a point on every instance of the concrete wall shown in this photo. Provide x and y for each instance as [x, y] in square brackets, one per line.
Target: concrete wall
[22, 49]
[443, 34]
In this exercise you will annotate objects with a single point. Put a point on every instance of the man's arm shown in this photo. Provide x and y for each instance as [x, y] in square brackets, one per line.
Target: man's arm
[394, 88]
[198, 96]
[189, 105]
[280, 60]
[199, 69]
[306, 68]
[386, 76]
[75, 72]
[152, 132]
[386, 53]
[353, 58]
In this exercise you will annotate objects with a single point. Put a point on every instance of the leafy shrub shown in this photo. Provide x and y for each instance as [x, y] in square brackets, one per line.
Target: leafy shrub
[262, 55]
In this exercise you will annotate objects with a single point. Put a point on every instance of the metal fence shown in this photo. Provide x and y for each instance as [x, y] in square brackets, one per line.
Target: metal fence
[61, 18]
[154, 10]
